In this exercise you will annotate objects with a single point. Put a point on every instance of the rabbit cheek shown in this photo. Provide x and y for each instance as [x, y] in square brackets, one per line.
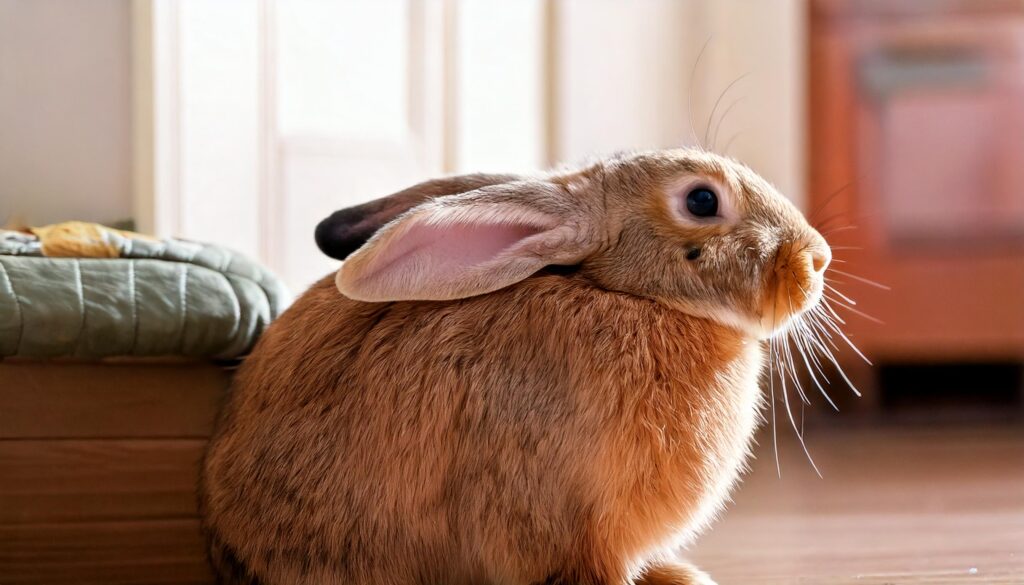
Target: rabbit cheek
[721, 284]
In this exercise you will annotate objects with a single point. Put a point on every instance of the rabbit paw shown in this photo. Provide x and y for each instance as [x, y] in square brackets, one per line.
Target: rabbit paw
[673, 573]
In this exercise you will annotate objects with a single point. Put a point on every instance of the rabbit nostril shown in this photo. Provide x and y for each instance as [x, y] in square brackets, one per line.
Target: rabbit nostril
[820, 260]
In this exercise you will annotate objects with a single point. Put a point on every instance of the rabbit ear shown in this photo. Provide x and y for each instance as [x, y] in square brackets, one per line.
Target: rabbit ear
[345, 230]
[471, 244]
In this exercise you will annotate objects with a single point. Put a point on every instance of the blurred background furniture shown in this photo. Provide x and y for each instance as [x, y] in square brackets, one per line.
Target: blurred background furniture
[917, 139]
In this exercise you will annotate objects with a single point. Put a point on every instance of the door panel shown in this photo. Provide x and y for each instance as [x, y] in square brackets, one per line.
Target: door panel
[339, 76]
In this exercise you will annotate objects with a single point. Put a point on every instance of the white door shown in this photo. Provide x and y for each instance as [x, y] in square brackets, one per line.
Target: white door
[267, 116]
[257, 118]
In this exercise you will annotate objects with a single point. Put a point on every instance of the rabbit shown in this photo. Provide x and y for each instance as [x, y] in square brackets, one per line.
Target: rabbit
[548, 379]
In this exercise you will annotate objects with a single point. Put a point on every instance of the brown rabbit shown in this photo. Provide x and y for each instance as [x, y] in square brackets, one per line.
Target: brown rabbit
[524, 380]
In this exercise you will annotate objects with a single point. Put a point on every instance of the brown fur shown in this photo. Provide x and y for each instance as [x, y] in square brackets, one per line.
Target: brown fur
[569, 428]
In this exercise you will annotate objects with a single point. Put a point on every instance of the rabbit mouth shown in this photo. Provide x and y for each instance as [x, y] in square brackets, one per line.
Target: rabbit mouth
[794, 286]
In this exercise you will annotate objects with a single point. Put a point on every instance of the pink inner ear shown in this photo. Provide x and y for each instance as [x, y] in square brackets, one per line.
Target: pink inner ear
[469, 244]
[448, 249]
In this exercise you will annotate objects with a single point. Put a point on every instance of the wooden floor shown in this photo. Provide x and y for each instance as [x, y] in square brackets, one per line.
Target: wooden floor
[894, 506]
[98, 465]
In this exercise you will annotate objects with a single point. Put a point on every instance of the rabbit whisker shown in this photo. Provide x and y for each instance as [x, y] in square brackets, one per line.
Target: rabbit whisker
[862, 279]
[777, 358]
[830, 351]
[800, 340]
[830, 197]
[789, 356]
[718, 102]
[815, 337]
[728, 143]
[831, 314]
[792, 422]
[771, 392]
[822, 329]
[721, 119]
[818, 364]
[820, 225]
[807, 336]
[855, 311]
[817, 369]
[838, 330]
[831, 357]
[772, 360]
[791, 366]
[689, 91]
[839, 294]
[837, 230]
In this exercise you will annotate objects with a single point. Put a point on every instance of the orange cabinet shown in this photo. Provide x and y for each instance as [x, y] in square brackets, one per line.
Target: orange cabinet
[917, 138]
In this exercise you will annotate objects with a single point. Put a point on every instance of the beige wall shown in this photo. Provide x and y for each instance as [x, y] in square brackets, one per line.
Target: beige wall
[626, 66]
[65, 103]
[623, 75]
[765, 41]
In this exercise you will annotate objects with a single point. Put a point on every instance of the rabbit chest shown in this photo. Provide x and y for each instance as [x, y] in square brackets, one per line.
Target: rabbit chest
[681, 415]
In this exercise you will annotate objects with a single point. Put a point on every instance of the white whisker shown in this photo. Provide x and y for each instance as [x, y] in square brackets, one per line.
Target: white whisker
[839, 331]
[792, 422]
[718, 102]
[835, 230]
[810, 369]
[842, 373]
[721, 119]
[689, 95]
[815, 337]
[861, 279]
[817, 323]
[830, 316]
[841, 295]
[793, 373]
[807, 336]
[820, 329]
[792, 366]
[855, 311]
[771, 385]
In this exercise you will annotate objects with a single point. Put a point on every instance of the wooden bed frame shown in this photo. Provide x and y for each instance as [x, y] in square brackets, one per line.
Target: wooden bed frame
[98, 470]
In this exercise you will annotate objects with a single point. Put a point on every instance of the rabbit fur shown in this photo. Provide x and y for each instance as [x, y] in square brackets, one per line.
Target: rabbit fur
[527, 380]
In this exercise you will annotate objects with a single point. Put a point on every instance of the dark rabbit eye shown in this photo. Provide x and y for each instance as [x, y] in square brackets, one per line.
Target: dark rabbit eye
[702, 202]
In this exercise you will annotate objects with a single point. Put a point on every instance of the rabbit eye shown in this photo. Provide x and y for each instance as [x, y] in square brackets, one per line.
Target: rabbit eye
[702, 202]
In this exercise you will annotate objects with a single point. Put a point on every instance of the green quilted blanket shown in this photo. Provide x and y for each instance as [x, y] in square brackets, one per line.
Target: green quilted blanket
[160, 298]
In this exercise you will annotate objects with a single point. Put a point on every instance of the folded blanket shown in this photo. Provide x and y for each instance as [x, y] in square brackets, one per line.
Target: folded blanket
[124, 294]
[71, 239]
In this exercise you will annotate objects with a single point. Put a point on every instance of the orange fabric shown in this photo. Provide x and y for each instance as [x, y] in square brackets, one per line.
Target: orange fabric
[78, 239]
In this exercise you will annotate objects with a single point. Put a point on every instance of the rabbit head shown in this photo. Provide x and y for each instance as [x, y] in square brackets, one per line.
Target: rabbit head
[687, 228]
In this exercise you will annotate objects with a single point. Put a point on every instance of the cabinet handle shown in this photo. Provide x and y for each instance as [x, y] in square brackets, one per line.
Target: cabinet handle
[887, 72]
